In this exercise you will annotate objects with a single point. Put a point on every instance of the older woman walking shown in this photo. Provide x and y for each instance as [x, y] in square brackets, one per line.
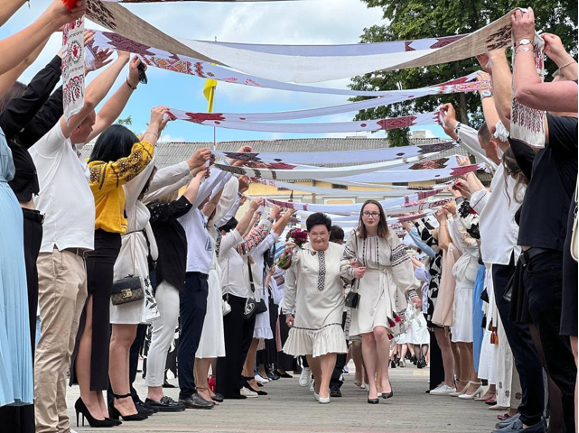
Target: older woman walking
[313, 303]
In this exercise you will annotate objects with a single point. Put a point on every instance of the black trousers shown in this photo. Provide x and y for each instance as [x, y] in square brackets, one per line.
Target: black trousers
[436, 365]
[268, 356]
[192, 309]
[341, 358]
[543, 280]
[238, 335]
[20, 419]
[525, 354]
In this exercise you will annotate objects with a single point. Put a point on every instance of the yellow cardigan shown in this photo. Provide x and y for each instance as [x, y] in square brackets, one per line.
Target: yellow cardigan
[106, 181]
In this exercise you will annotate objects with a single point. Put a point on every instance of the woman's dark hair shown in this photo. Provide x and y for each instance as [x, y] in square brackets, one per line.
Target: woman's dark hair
[319, 219]
[229, 225]
[382, 224]
[113, 144]
[16, 91]
[336, 234]
[512, 168]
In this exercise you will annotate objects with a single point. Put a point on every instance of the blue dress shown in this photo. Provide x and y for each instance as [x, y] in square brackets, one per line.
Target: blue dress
[16, 381]
[478, 315]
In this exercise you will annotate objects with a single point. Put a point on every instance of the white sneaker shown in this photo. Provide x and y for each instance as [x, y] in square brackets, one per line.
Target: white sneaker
[316, 396]
[306, 376]
[260, 379]
[402, 363]
[443, 390]
[248, 393]
[312, 386]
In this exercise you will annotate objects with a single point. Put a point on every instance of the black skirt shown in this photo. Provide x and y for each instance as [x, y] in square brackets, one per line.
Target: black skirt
[100, 265]
[570, 287]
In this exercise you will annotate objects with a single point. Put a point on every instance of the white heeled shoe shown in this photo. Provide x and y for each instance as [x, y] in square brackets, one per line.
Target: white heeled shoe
[459, 392]
[324, 400]
[316, 396]
[477, 393]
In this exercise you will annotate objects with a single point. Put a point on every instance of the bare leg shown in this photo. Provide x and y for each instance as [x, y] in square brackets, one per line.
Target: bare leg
[447, 355]
[383, 349]
[356, 349]
[122, 338]
[316, 368]
[249, 365]
[491, 392]
[83, 368]
[473, 377]
[411, 349]
[370, 356]
[201, 374]
[327, 363]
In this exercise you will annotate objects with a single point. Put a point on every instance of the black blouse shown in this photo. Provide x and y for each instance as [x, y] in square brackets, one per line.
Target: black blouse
[545, 209]
[26, 120]
[171, 241]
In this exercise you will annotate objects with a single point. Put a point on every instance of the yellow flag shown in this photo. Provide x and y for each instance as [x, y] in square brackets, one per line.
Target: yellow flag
[209, 92]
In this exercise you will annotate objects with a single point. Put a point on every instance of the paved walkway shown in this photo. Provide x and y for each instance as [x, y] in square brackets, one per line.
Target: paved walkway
[290, 408]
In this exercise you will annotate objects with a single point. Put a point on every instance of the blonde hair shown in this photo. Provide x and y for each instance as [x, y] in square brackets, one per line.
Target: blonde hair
[168, 198]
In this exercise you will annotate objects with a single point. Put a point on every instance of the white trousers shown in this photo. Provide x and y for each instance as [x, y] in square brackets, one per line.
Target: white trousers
[167, 298]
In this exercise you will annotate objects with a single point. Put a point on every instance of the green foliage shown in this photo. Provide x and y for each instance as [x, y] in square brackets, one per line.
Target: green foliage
[128, 121]
[413, 19]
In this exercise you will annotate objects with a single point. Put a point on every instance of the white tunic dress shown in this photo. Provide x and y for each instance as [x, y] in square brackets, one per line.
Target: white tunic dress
[132, 259]
[313, 288]
[389, 277]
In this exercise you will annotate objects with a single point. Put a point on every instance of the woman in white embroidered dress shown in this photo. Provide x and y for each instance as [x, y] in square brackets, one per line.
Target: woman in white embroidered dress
[313, 293]
[378, 261]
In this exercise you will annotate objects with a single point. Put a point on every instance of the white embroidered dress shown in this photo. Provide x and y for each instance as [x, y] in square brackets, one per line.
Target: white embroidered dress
[313, 288]
[388, 279]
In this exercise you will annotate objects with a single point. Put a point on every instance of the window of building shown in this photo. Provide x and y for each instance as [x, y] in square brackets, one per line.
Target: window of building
[400, 183]
[336, 186]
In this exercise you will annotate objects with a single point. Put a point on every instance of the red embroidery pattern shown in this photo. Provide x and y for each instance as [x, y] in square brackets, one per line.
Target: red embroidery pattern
[407, 46]
[199, 118]
[124, 44]
[501, 38]
[436, 147]
[174, 64]
[460, 171]
[99, 13]
[199, 69]
[430, 165]
[399, 122]
[73, 90]
[443, 42]
[251, 82]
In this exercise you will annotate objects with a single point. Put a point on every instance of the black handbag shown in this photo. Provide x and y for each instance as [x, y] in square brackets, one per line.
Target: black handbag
[352, 300]
[128, 289]
[251, 305]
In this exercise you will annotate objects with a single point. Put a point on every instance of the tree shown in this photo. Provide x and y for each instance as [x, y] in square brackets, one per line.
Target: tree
[128, 121]
[413, 19]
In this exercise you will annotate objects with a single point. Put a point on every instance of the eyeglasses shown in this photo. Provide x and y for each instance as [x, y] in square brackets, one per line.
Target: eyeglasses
[371, 214]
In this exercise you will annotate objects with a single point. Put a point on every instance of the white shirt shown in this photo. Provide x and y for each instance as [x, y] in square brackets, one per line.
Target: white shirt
[234, 277]
[65, 196]
[498, 229]
[199, 243]
[468, 140]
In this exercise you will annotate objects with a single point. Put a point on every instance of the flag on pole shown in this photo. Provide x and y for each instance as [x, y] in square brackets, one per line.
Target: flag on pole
[209, 92]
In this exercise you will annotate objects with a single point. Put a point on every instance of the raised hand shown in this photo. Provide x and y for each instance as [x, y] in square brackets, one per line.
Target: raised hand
[523, 24]
[256, 203]
[199, 158]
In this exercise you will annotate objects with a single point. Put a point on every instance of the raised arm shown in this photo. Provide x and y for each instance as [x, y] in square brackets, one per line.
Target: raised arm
[9, 8]
[443, 236]
[560, 96]
[115, 105]
[245, 221]
[256, 236]
[14, 49]
[497, 65]
[95, 93]
[488, 104]
[8, 79]
[20, 111]
[282, 223]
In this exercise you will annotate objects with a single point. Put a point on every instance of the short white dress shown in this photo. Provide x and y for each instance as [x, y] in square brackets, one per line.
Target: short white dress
[132, 259]
[389, 278]
[464, 272]
[313, 288]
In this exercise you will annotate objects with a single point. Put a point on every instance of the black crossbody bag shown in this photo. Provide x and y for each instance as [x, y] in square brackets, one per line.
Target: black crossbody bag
[251, 305]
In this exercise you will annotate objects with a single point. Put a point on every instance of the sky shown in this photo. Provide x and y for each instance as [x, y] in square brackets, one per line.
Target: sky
[316, 22]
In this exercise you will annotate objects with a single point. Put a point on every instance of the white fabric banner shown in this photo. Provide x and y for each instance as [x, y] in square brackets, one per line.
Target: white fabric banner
[216, 120]
[187, 65]
[73, 67]
[351, 157]
[345, 192]
[387, 176]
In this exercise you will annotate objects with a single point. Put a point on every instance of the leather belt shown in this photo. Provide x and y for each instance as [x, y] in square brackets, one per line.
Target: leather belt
[76, 251]
[532, 252]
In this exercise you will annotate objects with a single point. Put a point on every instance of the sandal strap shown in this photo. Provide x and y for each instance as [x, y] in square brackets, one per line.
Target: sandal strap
[118, 397]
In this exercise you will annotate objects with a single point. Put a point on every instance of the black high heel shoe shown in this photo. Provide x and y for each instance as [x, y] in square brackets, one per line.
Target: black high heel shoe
[373, 400]
[81, 408]
[114, 414]
[386, 396]
[116, 422]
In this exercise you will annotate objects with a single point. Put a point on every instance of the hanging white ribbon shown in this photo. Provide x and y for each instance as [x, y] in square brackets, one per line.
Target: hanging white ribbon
[73, 67]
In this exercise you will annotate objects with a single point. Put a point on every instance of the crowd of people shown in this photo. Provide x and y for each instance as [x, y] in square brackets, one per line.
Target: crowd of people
[109, 249]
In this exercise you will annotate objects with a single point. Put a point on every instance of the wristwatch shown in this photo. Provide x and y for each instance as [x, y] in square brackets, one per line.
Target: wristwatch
[485, 94]
[524, 42]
